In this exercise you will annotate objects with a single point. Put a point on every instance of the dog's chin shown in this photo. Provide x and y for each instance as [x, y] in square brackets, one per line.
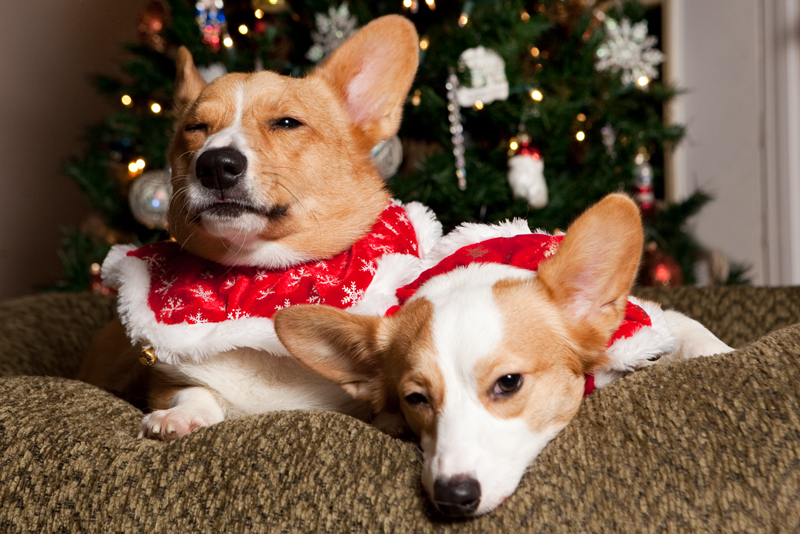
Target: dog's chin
[242, 228]
[239, 224]
[233, 210]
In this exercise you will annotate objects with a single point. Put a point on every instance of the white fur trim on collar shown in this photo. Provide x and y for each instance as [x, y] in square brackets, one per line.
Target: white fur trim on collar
[637, 351]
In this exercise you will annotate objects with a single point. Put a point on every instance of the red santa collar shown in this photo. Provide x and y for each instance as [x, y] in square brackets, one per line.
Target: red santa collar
[185, 288]
[524, 251]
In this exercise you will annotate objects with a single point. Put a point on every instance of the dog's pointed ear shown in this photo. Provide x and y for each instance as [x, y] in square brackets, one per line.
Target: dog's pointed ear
[591, 274]
[338, 345]
[188, 82]
[372, 73]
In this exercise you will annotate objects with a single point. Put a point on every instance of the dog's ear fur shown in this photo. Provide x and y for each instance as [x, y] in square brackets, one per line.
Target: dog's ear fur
[188, 82]
[338, 345]
[592, 273]
[372, 73]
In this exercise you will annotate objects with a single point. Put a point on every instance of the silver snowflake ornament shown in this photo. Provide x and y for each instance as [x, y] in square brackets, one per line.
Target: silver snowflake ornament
[332, 31]
[629, 50]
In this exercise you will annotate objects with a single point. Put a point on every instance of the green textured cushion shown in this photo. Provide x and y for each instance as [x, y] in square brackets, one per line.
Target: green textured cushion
[709, 445]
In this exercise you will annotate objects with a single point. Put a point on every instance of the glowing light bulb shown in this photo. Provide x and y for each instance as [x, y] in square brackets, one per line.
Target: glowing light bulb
[243, 29]
[662, 274]
[133, 167]
[513, 145]
[417, 98]
[524, 15]
[155, 107]
[478, 105]
[580, 136]
[537, 95]
[535, 52]
[127, 100]
[463, 20]
[581, 117]
[644, 80]
[140, 164]
[228, 42]
[407, 4]
[259, 14]
[423, 43]
[273, 2]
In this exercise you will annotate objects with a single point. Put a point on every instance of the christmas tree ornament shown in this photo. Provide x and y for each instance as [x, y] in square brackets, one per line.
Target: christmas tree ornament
[658, 268]
[212, 72]
[387, 156]
[629, 51]
[211, 19]
[332, 31]
[149, 198]
[271, 6]
[456, 129]
[526, 172]
[609, 136]
[643, 184]
[151, 22]
[487, 77]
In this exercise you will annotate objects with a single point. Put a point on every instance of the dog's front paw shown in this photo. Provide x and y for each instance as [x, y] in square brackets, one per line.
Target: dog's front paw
[169, 425]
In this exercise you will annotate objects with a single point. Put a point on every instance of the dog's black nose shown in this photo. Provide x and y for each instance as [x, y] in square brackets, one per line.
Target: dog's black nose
[220, 168]
[457, 496]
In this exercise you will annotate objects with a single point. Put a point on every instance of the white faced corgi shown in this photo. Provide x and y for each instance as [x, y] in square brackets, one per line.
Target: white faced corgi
[276, 202]
[488, 361]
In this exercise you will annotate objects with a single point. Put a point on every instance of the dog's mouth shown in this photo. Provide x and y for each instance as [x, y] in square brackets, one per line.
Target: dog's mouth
[230, 210]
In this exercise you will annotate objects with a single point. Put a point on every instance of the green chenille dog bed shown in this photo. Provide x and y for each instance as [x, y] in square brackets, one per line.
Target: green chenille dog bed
[709, 445]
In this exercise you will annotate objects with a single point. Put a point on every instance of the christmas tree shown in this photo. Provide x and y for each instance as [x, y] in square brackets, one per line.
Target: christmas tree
[531, 109]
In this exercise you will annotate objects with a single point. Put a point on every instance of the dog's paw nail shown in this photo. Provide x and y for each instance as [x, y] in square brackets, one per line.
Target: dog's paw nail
[170, 428]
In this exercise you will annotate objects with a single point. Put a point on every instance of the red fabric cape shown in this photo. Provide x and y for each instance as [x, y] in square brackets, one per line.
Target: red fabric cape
[187, 289]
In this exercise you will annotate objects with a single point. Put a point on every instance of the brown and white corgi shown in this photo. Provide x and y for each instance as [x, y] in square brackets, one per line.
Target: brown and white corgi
[496, 345]
[276, 202]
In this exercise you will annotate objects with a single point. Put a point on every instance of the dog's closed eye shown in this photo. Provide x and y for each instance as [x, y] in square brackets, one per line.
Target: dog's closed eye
[507, 385]
[199, 127]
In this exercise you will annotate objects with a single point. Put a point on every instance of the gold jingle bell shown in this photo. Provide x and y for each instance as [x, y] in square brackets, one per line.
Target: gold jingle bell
[148, 357]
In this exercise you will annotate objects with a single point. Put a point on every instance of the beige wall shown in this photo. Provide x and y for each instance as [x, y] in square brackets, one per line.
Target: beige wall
[50, 47]
[739, 63]
[719, 66]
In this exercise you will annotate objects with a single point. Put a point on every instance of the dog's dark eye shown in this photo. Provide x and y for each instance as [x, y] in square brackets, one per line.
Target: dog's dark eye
[416, 399]
[508, 384]
[286, 123]
[200, 127]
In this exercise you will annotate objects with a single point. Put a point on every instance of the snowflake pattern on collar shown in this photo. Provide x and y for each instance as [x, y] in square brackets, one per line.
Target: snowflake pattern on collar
[187, 289]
